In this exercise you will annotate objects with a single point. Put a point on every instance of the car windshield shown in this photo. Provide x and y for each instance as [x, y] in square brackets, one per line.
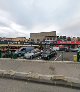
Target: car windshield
[32, 51]
[28, 52]
[23, 49]
[46, 52]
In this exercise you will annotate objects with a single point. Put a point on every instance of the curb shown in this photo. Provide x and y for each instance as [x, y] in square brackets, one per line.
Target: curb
[58, 80]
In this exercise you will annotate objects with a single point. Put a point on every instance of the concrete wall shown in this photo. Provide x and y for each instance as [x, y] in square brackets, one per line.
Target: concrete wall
[69, 69]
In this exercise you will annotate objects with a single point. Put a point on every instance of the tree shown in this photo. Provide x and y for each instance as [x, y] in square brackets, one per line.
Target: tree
[68, 38]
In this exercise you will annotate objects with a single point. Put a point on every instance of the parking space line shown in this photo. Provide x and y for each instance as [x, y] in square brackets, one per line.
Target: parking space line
[57, 57]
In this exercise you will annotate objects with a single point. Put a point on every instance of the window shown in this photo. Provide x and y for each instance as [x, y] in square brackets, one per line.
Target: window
[47, 38]
[32, 40]
[23, 49]
[50, 38]
[38, 40]
[43, 39]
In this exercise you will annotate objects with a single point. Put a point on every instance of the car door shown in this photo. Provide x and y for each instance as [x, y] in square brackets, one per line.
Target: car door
[23, 50]
[35, 53]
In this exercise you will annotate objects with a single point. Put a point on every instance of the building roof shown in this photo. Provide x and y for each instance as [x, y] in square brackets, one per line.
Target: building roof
[43, 32]
[50, 36]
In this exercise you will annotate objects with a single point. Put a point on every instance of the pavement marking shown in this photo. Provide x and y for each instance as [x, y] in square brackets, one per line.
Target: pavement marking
[58, 57]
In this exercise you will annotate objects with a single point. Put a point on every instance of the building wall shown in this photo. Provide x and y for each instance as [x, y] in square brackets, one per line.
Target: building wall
[50, 38]
[41, 36]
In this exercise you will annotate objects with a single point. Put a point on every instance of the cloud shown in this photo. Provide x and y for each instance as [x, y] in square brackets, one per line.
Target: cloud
[32, 12]
[20, 17]
[71, 28]
[8, 28]
[46, 28]
[4, 18]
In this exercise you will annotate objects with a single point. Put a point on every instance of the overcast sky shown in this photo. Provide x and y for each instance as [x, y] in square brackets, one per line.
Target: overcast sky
[21, 17]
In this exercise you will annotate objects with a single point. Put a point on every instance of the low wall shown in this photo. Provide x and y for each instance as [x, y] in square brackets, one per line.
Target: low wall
[68, 69]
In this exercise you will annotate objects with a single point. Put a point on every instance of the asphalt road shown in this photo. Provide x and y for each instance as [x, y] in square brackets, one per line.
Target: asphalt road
[64, 56]
[8, 85]
[61, 56]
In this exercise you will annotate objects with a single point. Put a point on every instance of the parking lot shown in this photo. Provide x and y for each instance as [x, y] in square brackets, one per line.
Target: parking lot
[37, 54]
[61, 56]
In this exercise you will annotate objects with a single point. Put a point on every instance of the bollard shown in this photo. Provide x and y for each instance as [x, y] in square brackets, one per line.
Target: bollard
[75, 58]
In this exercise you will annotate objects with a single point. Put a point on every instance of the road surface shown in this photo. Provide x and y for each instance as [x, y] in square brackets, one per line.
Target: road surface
[67, 56]
[8, 85]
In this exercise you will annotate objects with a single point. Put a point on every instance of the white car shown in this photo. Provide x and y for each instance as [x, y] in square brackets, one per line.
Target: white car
[32, 54]
[29, 55]
[74, 50]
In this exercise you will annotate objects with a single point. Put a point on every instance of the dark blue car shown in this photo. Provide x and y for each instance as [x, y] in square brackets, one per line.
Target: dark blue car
[23, 50]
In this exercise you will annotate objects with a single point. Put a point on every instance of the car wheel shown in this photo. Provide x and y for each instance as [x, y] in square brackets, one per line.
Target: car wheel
[54, 55]
[48, 57]
[19, 55]
[31, 57]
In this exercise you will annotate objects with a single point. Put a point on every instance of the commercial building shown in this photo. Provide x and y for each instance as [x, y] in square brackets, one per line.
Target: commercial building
[17, 39]
[39, 37]
[50, 38]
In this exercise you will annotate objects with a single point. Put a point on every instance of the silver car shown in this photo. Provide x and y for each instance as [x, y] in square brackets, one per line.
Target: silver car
[32, 54]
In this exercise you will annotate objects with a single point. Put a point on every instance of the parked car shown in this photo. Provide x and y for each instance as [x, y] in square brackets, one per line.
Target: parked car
[47, 54]
[67, 49]
[32, 54]
[73, 49]
[56, 48]
[62, 49]
[23, 50]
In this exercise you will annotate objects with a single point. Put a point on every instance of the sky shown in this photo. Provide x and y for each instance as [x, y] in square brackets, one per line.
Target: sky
[19, 18]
